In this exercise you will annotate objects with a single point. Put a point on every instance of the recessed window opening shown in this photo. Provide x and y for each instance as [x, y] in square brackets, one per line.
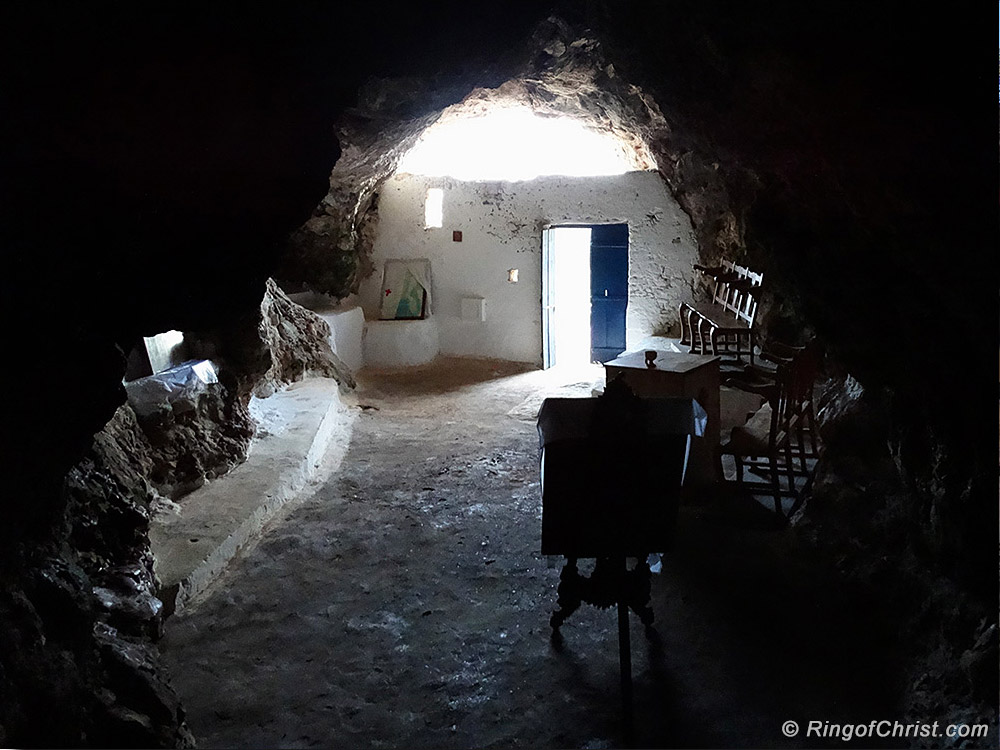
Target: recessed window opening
[434, 208]
[513, 144]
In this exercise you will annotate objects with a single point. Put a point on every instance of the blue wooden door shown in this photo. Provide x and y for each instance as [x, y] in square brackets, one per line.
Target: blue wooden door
[608, 290]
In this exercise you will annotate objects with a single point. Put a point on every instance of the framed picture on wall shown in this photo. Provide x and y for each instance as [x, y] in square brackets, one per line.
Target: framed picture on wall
[405, 289]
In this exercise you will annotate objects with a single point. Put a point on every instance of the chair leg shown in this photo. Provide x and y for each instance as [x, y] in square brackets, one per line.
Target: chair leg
[775, 484]
[693, 347]
[713, 336]
[801, 436]
[812, 430]
[789, 466]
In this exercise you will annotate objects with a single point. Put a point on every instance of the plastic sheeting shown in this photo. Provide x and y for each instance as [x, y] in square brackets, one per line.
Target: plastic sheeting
[183, 382]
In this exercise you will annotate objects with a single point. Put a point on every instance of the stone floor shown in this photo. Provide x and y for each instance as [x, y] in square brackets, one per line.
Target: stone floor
[405, 604]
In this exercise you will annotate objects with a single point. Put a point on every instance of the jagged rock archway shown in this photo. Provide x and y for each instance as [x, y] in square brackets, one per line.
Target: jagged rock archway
[563, 71]
[833, 145]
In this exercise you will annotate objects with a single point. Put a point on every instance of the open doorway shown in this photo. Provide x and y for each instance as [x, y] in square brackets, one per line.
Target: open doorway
[584, 293]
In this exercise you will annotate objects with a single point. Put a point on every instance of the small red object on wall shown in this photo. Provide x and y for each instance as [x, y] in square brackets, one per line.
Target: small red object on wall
[456, 236]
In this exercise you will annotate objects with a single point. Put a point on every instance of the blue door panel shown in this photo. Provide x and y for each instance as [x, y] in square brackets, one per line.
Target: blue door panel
[608, 271]
[608, 290]
[616, 326]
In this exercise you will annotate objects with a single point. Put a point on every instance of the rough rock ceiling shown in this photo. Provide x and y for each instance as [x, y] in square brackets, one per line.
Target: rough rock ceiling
[562, 71]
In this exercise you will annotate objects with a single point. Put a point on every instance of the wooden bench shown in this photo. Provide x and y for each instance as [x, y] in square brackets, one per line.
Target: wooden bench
[723, 326]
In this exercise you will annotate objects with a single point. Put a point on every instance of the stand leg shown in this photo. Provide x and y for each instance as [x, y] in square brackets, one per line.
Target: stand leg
[569, 595]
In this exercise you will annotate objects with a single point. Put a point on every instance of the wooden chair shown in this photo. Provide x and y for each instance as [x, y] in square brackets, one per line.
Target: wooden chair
[736, 336]
[804, 365]
[764, 443]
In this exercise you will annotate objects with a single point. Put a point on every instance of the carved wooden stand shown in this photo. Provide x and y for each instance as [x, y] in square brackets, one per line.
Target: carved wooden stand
[610, 583]
[612, 470]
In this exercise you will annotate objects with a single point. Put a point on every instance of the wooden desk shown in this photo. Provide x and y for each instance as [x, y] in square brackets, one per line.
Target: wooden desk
[677, 374]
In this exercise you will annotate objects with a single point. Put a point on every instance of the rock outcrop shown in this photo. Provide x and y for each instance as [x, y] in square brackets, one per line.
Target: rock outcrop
[196, 439]
[299, 343]
[875, 519]
[206, 432]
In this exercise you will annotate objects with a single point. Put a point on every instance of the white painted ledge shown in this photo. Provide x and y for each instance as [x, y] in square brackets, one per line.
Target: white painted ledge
[401, 343]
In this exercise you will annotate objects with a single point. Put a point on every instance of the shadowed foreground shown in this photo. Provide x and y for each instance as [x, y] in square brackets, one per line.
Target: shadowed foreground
[406, 605]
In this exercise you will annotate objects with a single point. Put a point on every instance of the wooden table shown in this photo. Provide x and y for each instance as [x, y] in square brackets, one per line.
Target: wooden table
[674, 375]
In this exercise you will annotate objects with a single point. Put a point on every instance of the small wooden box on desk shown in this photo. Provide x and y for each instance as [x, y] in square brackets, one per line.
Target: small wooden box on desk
[676, 375]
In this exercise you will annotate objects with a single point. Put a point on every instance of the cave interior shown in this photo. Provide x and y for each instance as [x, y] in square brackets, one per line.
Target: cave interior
[166, 171]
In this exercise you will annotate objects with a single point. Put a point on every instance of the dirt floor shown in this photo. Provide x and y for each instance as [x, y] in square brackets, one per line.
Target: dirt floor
[406, 605]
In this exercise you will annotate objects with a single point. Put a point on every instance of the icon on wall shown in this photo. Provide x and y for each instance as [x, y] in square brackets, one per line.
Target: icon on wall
[406, 289]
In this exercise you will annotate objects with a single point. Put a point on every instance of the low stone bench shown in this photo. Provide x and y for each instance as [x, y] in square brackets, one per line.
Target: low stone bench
[400, 343]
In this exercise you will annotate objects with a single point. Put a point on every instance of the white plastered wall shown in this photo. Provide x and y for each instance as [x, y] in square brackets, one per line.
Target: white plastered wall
[501, 225]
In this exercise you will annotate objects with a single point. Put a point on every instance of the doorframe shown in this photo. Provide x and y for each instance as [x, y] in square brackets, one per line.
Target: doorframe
[548, 341]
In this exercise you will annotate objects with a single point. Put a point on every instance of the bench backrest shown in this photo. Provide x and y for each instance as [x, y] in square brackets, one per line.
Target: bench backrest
[736, 291]
[721, 290]
[746, 308]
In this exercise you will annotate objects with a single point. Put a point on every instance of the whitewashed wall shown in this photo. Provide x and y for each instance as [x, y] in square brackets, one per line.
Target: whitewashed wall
[501, 225]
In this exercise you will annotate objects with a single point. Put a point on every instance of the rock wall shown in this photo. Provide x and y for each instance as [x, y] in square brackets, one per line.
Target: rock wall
[881, 524]
[80, 630]
[79, 664]
[194, 440]
[153, 162]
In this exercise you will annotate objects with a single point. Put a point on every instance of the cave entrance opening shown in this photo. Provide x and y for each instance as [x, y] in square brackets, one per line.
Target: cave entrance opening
[514, 143]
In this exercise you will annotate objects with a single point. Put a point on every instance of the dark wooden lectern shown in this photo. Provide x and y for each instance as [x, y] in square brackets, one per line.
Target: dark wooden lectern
[611, 473]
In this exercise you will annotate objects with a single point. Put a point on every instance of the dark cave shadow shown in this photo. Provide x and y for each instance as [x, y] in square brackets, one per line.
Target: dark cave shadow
[654, 705]
[789, 638]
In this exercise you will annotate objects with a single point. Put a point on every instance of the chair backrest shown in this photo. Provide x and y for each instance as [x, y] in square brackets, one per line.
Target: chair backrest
[745, 307]
[785, 402]
[805, 365]
[722, 291]
[797, 369]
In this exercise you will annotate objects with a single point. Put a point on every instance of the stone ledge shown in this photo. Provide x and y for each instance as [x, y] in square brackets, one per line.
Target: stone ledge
[303, 436]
